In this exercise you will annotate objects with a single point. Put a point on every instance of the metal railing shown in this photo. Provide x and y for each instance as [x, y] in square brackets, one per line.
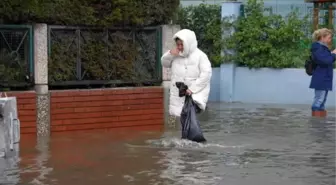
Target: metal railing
[83, 56]
[16, 56]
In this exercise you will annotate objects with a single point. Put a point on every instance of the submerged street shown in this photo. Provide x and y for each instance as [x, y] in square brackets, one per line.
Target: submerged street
[247, 145]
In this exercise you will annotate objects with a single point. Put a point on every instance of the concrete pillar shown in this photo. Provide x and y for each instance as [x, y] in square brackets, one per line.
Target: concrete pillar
[231, 9]
[43, 148]
[168, 43]
[230, 12]
[41, 79]
[227, 80]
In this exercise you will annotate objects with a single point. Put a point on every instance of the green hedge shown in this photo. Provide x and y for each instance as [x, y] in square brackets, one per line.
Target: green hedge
[261, 39]
[264, 39]
[205, 20]
[88, 12]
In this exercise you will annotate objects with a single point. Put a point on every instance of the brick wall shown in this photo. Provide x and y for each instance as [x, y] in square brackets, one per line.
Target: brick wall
[106, 108]
[26, 104]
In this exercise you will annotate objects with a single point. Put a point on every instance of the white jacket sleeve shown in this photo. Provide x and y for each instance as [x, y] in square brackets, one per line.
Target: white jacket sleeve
[205, 75]
[167, 59]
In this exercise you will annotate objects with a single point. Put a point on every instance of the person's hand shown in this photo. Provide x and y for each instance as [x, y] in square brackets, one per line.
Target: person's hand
[188, 92]
[334, 51]
[174, 52]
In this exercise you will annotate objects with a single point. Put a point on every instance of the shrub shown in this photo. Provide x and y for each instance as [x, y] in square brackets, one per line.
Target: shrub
[205, 21]
[88, 12]
[261, 39]
[268, 40]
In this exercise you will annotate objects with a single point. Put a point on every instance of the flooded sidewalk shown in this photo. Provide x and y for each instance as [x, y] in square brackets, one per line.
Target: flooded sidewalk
[247, 145]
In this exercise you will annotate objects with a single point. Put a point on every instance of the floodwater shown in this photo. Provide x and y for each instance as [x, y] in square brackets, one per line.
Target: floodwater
[247, 145]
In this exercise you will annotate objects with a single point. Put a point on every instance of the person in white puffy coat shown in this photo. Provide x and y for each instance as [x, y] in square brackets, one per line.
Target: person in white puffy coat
[189, 65]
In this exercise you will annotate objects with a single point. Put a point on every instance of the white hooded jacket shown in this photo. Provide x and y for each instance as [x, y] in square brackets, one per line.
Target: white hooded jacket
[193, 68]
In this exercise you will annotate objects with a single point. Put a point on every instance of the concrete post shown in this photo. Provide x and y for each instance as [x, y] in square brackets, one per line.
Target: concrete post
[168, 32]
[230, 11]
[41, 79]
[227, 80]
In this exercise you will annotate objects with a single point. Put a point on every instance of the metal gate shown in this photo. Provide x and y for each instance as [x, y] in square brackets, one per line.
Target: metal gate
[16, 56]
[104, 57]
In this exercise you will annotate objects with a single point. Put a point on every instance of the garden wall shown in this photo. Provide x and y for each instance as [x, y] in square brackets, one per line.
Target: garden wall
[106, 108]
[26, 104]
[265, 85]
[71, 110]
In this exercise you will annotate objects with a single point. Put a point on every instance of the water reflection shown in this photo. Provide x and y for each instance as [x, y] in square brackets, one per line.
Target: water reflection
[323, 159]
[247, 145]
[9, 167]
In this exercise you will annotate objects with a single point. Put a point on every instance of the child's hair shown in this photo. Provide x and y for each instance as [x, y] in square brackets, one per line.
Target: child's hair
[320, 33]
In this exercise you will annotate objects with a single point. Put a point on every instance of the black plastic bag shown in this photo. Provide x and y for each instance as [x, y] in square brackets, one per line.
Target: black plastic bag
[191, 129]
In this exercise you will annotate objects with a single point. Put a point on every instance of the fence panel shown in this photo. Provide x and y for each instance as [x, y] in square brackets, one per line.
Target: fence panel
[16, 56]
[109, 57]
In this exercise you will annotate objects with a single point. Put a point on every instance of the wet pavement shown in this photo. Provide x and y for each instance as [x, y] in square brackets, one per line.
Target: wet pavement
[247, 145]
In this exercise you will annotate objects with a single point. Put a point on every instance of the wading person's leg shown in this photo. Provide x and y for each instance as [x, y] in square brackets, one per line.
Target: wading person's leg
[318, 107]
[319, 100]
[324, 101]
